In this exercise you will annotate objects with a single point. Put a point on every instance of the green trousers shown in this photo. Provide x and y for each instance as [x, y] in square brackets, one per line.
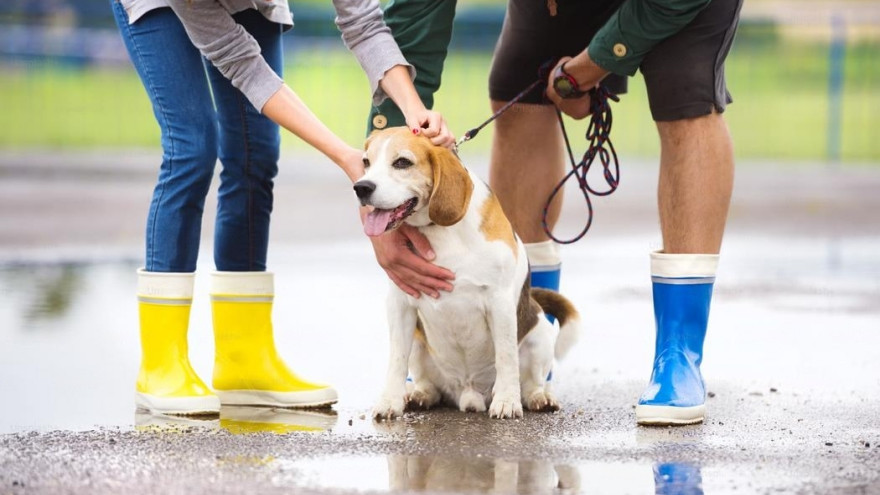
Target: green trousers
[422, 29]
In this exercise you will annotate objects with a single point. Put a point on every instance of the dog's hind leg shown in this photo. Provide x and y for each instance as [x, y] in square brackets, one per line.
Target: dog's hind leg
[423, 394]
[535, 361]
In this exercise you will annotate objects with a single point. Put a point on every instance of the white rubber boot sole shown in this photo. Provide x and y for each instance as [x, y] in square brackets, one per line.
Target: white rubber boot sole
[669, 415]
[323, 397]
[178, 406]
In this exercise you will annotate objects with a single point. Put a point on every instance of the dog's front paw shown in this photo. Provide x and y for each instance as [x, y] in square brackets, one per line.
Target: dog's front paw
[506, 406]
[388, 407]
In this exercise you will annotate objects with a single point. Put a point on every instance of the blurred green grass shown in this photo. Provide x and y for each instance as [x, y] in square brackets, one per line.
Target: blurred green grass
[780, 109]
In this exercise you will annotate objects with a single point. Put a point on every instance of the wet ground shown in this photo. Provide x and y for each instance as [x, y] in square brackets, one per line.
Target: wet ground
[792, 359]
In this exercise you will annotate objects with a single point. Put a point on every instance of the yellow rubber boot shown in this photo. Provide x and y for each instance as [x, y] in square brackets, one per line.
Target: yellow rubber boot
[167, 383]
[247, 368]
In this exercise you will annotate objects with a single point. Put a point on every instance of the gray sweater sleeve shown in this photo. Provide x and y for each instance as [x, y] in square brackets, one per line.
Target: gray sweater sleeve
[366, 35]
[228, 46]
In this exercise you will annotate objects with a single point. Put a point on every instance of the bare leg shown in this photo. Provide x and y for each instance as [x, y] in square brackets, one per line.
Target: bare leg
[527, 162]
[696, 181]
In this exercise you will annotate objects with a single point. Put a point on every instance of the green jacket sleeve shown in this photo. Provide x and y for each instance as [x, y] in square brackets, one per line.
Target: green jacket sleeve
[636, 27]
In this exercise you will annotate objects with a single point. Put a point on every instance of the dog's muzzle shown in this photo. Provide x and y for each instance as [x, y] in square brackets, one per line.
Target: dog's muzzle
[364, 189]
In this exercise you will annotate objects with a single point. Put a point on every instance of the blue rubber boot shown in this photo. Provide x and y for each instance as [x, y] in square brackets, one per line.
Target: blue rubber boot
[546, 279]
[545, 264]
[677, 478]
[676, 394]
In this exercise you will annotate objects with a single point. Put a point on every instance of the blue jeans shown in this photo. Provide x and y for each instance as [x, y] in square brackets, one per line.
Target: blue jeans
[196, 130]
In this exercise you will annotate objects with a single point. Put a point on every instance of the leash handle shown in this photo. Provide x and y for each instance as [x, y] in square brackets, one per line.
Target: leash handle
[598, 135]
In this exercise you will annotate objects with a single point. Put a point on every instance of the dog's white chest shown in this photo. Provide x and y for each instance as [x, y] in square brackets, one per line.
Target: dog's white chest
[459, 339]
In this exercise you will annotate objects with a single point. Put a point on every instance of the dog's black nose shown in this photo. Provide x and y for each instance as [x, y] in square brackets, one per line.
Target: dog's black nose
[364, 188]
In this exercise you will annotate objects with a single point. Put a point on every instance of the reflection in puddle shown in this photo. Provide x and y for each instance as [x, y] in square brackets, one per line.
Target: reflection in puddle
[446, 474]
[161, 423]
[674, 478]
[43, 292]
[242, 420]
[414, 473]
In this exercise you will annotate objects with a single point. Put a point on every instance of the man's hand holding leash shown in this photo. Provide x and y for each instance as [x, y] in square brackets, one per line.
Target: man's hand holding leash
[579, 74]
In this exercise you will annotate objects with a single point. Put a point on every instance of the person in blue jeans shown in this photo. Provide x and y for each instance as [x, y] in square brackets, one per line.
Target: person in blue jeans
[213, 72]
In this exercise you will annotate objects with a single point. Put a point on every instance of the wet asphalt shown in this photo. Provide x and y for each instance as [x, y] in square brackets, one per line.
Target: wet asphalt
[792, 359]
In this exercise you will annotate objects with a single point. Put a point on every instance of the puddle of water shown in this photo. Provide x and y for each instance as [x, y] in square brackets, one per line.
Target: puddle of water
[435, 474]
[421, 473]
[240, 420]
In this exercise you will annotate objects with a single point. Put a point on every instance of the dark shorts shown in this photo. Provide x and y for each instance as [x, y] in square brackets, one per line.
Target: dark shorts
[684, 74]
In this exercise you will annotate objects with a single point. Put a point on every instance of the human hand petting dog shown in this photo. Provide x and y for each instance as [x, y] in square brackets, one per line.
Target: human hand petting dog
[410, 268]
[398, 84]
[432, 125]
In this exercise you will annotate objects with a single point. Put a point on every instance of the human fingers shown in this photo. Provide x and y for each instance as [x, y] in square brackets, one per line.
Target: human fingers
[419, 242]
[402, 285]
[576, 108]
[423, 250]
[427, 274]
[444, 138]
[409, 269]
[409, 272]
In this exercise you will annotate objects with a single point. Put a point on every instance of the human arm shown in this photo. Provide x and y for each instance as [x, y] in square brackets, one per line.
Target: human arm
[287, 110]
[637, 27]
[398, 84]
[236, 54]
[622, 43]
[229, 47]
[365, 33]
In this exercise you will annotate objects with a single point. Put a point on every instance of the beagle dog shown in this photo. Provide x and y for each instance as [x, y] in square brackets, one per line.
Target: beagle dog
[486, 344]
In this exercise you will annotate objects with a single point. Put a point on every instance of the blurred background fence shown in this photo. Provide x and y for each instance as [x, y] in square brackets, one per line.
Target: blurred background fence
[805, 76]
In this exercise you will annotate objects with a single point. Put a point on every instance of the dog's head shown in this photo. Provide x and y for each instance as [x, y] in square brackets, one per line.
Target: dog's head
[409, 179]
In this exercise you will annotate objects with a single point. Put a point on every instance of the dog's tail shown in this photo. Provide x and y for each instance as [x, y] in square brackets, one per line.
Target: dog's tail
[557, 305]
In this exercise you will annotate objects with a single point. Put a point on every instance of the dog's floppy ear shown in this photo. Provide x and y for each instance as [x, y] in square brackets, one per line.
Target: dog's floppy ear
[452, 188]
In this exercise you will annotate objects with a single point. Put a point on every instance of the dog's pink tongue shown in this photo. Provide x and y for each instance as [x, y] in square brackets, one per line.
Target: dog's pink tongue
[377, 221]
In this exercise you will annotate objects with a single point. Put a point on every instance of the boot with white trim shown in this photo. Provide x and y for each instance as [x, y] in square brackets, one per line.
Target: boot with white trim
[247, 368]
[167, 383]
[545, 264]
[676, 394]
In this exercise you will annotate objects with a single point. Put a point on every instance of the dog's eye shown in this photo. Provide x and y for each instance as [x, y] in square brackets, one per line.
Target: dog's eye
[402, 163]
[366, 162]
